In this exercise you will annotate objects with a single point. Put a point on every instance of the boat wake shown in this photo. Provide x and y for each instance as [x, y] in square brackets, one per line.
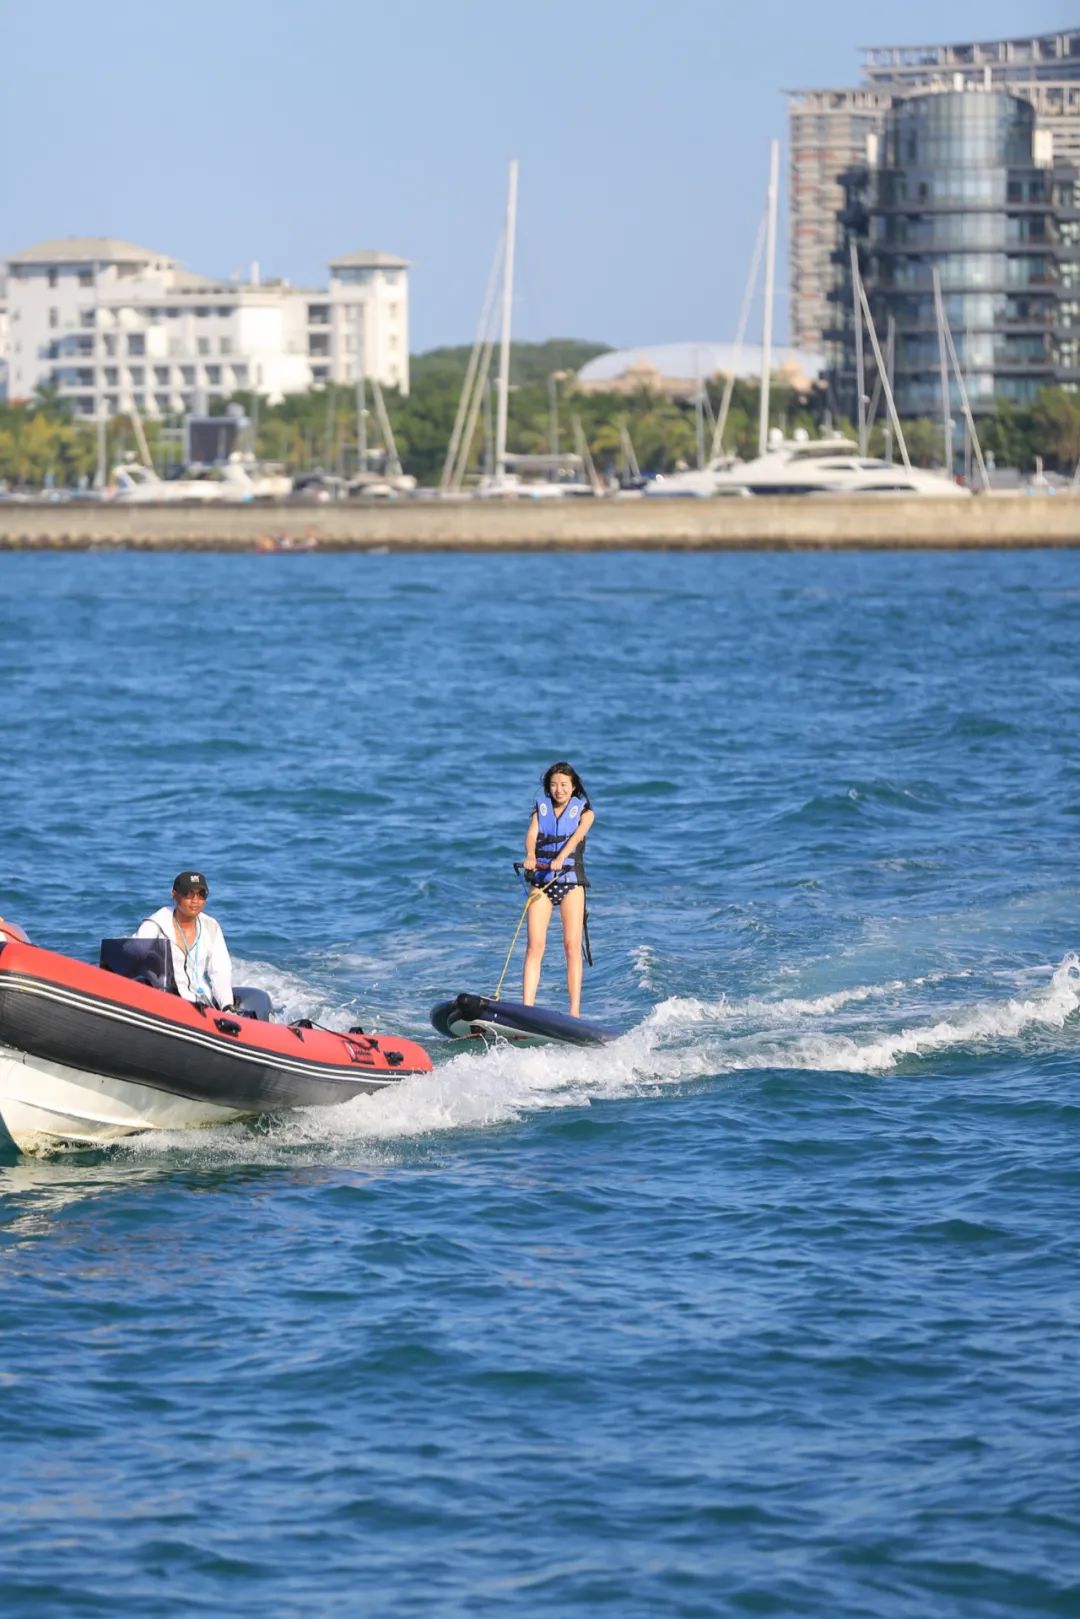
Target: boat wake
[871, 1029]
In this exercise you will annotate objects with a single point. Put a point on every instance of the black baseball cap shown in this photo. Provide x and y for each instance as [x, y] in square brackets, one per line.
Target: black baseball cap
[188, 881]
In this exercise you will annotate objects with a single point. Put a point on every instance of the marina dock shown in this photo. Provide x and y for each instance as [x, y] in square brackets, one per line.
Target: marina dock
[781, 524]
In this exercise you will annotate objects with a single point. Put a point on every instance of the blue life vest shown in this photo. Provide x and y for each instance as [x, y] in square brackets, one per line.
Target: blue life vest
[552, 832]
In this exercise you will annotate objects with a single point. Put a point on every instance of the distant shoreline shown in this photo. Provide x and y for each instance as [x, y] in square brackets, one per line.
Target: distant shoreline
[874, 522]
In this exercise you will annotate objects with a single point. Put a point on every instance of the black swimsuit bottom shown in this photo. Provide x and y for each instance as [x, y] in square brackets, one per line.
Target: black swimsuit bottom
[556, 889]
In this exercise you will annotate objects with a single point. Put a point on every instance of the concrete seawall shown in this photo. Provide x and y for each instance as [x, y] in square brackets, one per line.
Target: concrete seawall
[876, 522]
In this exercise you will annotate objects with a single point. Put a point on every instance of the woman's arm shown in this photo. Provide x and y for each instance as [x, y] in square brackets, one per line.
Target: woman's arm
[578, 836]
[530, 842]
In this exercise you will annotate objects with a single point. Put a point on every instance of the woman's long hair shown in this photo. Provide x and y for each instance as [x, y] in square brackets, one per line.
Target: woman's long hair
[561, 768]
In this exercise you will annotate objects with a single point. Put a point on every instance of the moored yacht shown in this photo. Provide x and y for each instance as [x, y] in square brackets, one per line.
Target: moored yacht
[135, 484]
[804, 466]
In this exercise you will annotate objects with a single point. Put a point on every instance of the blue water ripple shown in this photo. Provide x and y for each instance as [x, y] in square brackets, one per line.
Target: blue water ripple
[771, 1308]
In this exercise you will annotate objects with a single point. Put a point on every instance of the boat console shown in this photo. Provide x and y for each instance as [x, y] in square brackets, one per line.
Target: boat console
[145, 961]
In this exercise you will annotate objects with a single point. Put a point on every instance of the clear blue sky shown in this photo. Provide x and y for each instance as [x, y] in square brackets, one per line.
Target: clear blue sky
[223, 131]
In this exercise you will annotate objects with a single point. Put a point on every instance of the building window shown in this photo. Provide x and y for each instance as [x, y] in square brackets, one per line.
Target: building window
[213, 375]
[226, 345]
[54, 318]
[161, 376]
[187, 374]
[240, 373]
[54, 277]
[86, 318]
[136, 343]
[202, 345]
[318, 314]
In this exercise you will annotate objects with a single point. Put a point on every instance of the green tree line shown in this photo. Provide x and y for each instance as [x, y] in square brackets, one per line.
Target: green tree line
[41, 444]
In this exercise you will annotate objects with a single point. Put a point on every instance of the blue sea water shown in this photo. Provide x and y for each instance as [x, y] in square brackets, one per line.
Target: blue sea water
[771, 1307]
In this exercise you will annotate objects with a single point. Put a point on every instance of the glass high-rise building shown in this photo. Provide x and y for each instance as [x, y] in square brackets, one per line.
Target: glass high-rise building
[960, 184]
[828, 132]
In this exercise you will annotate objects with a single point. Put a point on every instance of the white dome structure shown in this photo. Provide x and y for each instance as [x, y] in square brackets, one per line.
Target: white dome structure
[674, 368]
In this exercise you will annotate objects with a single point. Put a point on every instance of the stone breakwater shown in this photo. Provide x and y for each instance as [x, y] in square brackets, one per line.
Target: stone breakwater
[876, 522]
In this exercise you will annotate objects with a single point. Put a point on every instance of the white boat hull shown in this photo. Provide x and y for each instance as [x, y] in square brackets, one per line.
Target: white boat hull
[47, 1106]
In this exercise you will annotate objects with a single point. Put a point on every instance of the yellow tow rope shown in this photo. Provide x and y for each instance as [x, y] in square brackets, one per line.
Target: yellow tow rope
[535, 894]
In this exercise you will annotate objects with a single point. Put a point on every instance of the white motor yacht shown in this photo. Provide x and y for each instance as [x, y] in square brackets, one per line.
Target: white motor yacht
[139, 485]
[510, 486]
[804, 466]
[244, 478]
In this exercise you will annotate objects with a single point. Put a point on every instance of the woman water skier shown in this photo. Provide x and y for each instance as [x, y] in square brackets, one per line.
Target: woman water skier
[555, 863]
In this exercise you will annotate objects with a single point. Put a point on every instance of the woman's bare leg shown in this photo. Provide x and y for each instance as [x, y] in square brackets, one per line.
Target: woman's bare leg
[573, 919]
[538, 917]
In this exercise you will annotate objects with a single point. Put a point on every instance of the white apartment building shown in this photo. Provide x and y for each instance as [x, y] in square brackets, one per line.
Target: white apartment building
[114, 327]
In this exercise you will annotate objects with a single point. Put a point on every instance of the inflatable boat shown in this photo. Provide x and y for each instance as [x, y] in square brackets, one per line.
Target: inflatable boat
[89, 1054]
[478, 1017]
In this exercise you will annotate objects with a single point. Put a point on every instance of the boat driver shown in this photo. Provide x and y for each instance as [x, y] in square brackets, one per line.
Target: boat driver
[201, 968]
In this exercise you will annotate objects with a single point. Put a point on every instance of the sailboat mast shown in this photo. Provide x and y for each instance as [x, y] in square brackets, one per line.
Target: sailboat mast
[729, 383]
[770, 277]
[890, 361]
[943, 365]
[507, 307]
[361, 389]
[860, 366]
[882, 372]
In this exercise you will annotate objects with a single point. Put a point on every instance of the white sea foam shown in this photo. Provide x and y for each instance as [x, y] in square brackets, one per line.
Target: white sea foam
[643, 957]
[683, 1040]
[985, 1024]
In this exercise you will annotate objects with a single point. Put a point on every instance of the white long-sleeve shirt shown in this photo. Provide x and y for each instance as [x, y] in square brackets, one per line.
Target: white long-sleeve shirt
[203, 973]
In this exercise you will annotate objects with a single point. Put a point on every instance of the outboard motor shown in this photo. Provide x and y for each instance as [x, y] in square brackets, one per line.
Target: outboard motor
[252, 1003]
[144, 961]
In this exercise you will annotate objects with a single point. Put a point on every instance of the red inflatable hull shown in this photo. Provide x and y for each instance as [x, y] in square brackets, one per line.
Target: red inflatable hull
[61, 1015]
